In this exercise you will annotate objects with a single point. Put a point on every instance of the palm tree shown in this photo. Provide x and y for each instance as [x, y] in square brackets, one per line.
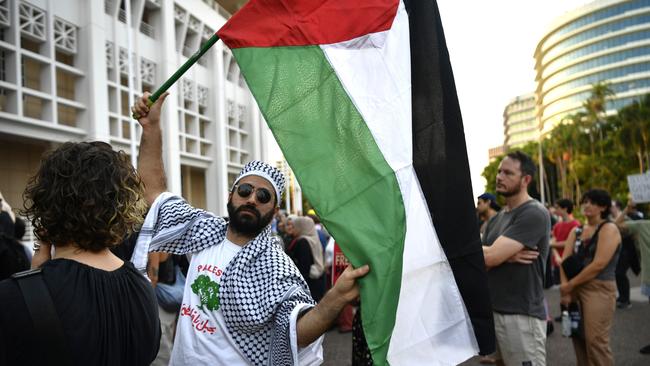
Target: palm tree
[595, 107]
[634, 130]
[563, 145]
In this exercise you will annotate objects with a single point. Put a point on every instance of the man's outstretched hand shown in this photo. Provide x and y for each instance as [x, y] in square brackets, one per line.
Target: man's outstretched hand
[319, 319]
[346, 288]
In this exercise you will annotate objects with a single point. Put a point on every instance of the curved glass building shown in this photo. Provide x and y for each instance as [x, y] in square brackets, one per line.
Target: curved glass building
[519, 122]
[604, 41]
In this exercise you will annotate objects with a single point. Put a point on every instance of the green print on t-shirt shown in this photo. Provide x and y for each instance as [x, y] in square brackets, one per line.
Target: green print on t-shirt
[208, 292]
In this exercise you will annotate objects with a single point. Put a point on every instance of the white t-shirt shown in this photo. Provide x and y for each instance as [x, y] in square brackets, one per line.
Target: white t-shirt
[201, 335]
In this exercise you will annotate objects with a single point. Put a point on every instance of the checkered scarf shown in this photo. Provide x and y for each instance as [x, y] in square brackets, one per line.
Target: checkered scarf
[259, 289]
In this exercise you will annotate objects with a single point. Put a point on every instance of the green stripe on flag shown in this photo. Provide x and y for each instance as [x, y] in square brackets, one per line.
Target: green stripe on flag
[340, 168]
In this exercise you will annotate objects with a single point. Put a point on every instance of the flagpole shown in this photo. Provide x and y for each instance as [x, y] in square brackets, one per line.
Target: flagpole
[186, 66]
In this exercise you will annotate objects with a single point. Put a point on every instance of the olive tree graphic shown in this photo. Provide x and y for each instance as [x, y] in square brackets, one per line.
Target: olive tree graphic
[208, 292]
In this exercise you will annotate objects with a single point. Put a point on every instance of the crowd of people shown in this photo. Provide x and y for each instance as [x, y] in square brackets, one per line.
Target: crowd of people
[529, 247]
[255, 287]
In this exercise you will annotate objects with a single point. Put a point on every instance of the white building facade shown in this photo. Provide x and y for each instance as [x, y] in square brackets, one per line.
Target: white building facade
[70, 69]
[603, 41]
[519, 121]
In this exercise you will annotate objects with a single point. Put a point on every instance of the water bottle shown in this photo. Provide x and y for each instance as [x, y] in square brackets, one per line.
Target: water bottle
[575, 316]
[566, 324]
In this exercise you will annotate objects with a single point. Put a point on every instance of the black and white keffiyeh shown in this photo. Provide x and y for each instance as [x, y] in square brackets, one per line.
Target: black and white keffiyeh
[266, 171]
[259, 289]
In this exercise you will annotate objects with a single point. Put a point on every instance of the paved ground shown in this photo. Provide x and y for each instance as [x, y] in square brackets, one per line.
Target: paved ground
[630, 332]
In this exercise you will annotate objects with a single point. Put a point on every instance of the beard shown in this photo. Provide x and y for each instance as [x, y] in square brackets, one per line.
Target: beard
[245, 223]
[511, 192]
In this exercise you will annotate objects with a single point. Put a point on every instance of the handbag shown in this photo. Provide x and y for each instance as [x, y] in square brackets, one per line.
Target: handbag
[572, 265]
[170, 296]
[575, 263]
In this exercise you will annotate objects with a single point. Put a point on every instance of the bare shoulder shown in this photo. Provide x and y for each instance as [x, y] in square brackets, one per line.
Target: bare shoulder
[610, 231]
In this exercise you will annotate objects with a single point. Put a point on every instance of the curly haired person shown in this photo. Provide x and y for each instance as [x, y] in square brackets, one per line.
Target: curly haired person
[84, 200]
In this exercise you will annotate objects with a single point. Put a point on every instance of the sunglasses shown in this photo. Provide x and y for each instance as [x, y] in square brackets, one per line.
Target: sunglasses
[262, 195]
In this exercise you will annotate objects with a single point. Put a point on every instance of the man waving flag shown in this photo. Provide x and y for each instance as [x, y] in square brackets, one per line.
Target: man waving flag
[360, 97]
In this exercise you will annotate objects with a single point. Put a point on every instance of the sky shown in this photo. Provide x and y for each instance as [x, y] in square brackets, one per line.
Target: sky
[491, 45]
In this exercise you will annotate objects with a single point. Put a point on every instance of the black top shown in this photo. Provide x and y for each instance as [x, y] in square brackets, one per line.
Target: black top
[12, 254]
[300, 252]
[109, 318]
[519, 288]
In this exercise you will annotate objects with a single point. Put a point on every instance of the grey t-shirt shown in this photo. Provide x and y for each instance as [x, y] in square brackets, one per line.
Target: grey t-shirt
[519, 288]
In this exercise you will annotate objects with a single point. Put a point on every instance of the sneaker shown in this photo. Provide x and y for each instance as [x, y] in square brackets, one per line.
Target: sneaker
[623, 305]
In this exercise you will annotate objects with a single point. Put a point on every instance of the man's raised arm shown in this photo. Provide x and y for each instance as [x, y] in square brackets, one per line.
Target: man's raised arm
[150, 163]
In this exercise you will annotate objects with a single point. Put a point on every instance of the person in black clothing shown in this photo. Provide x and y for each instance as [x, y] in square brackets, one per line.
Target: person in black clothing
[628, 258]
[85, 199]
[12, 254]
[307, 253]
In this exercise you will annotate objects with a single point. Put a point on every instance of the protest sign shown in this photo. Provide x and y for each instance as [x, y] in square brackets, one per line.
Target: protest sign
[639, 185]
[339, 263]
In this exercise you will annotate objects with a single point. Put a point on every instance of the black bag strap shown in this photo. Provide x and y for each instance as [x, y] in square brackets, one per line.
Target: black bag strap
[593, 241]
[47, 325]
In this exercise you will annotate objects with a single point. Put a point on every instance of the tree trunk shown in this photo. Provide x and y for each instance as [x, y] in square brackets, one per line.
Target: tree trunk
[600, 142]
[644, 139]
[562, 173]
[639, 157]
[548, 187]
[577, 189]
[593, 151]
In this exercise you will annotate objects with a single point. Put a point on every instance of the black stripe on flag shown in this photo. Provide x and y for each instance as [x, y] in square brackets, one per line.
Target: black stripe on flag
[440, 160]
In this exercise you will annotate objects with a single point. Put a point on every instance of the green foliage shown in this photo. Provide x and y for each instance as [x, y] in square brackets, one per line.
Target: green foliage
[490, 174]
[208, 292]
[591, 150]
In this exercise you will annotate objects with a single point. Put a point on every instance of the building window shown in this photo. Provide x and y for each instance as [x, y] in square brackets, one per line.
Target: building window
[32, 72]
[65, 36]
[194, 25]
[231, 109]
[3, 65]
[65, 84]
[145, 24]
[121, 13]
[5, 18]
[35, 107]
[179, 14]
[232, 70]
[188, 90]
[110, 55]
[67, 115]
[147, 72]
[202, 95]
[242, 116]
[32, 21]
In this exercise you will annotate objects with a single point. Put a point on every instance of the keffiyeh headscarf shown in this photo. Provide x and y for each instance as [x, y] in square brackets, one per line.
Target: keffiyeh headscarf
[266, 171]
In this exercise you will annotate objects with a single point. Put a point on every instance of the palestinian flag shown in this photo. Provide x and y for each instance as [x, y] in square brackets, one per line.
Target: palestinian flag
[361, 99]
